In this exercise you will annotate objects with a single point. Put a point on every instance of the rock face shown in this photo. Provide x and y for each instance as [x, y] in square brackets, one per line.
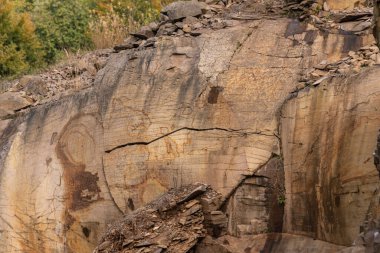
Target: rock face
[231, 97]
[327, 172]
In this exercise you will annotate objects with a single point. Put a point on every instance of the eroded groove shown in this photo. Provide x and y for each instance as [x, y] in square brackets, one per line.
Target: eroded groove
[238, 131]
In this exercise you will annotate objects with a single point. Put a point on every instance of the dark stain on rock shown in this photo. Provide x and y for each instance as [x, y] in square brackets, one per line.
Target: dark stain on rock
[69, 220]
[81, 186]
[214, 94]
[6, 139]
[86, 231]
[337, 201]
[376, 15]
[274, 193]
[310, 37]
[295, 27]
[351, 41]
[295, 43]
[271, 242]
[130, 204]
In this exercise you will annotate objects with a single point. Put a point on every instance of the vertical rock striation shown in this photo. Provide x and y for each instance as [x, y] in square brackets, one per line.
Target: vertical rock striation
[240, 98]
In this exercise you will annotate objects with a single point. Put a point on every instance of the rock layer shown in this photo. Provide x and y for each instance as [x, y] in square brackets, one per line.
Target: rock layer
[327, 139]
[205, 107]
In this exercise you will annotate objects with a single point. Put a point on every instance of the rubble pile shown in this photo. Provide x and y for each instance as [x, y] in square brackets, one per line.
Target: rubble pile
[357, 21]
[179, 18]
[76, 74]
[365, 57]
[172, 223]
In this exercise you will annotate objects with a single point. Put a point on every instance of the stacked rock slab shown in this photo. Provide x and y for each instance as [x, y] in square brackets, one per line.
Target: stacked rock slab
[170, 109]
[174, 222]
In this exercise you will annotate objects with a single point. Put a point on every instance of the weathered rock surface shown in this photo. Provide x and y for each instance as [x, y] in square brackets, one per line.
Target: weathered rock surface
[11, 102]
[200, 102]
[174, 222]
[182, 9]
[272, 242]
[327, 138]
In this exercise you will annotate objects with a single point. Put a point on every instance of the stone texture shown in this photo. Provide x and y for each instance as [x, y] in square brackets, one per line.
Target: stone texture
[272, 242]
[188, 109]
[182, 9]
[328, 137]
[174, 222]
[10, 102]
[257, 205]
[345, 4]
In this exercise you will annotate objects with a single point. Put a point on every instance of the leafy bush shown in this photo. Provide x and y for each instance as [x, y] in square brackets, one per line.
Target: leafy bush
[20, 49]
[35, 32]
[62, 25]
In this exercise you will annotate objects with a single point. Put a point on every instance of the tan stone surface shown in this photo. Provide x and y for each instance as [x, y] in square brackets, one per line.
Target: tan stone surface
[52, 186]
[328, 137]
[274, 243]
[345, 4]
[11, 102]
[157, 118]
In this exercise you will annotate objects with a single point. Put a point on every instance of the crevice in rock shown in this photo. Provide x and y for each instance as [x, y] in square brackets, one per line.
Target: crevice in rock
[264, 190]
[223, 204]
[237, 131]
[109, 190]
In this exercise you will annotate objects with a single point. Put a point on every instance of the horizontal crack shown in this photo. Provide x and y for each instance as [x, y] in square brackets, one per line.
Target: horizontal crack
[239, 131]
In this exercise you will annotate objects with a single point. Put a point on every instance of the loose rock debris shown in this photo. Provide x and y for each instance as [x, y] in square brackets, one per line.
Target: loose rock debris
[172, 223]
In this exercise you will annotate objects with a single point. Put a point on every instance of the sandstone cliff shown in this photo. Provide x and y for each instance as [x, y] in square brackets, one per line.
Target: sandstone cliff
[277, 114]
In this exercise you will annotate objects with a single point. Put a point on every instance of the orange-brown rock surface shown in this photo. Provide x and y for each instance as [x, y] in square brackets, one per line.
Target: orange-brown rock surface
[278, 115]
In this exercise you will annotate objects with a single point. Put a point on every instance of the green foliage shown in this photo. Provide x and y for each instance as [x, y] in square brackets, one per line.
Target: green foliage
[34, 33]
[281, 200]
[20, 49]
[62, 25]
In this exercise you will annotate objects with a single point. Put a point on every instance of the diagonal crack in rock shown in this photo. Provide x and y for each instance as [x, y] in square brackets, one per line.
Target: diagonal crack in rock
[238, 131]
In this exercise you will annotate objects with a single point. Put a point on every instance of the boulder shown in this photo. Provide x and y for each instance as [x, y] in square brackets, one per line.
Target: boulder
[183, 9]
[10, 102]
[144, 33]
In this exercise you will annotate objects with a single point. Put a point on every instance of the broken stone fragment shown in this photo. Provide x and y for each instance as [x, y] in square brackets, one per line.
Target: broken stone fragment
[195, 33]
[166, 29]
[10, 102]
[144, 33]
[320, 80]
[179, 10]
[191, 203]
[195, 193]
[104, 245]
[159, 250]
[341, 17]
[126, 243]
[179, 25]
[186, 28]
[193, 210]
[129, 43]
[144, 244]
[180, 32]
[154, 26]
[356, 26]
[322, 65]
[190, 20]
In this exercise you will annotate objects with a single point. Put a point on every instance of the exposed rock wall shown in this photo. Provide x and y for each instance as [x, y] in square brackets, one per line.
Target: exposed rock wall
[197, 108]
[328, 138]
